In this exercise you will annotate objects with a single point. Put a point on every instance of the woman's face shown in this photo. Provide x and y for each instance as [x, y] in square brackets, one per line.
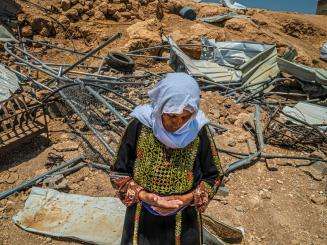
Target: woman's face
[173, 122]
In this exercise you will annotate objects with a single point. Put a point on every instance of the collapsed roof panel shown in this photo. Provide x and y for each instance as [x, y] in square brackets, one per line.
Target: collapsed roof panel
[302, 72]
[309, 113]
[211, 70]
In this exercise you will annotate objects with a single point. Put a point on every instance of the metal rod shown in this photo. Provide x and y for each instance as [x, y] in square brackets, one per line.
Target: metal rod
[87, 123]
[242, 163]
[107, 104]
[89, 54]
[258, 128]
[33, 181]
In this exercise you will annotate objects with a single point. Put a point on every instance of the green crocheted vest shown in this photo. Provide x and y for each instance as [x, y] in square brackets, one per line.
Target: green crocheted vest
[161, 170]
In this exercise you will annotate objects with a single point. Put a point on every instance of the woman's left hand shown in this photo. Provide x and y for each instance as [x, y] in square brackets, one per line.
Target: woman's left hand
[186, 199]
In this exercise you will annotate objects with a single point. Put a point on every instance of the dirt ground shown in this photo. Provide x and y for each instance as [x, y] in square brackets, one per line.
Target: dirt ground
[286, 205]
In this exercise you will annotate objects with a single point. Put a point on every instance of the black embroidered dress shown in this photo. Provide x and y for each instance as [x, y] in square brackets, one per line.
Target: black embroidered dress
[144, 163]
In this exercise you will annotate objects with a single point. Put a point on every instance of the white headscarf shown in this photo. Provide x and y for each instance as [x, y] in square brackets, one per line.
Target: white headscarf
[177, 91]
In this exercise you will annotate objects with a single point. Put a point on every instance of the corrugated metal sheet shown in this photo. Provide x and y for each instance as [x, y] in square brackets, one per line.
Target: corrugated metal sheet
[214, 72]
[302, 72]
[309, 113]
[9, 83]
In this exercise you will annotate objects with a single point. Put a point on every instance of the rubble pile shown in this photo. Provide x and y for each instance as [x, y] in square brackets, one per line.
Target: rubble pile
[74, 70]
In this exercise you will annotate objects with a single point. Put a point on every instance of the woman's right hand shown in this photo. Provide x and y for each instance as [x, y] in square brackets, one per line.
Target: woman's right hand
[158, 201]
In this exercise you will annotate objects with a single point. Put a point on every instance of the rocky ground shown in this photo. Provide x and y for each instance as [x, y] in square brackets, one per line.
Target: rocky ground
[283, 204]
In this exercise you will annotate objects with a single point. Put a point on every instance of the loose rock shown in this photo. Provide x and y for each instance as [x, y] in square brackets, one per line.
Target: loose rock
[65, 5]
[66, 146]
[72, 14]
[318, 199]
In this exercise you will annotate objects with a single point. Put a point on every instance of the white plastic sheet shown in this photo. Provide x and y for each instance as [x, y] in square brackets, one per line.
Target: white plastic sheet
[323, 52]
[95, 220]
[9, 83]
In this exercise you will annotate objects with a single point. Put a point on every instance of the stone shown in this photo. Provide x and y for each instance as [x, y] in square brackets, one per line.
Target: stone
[231, 142]
[99, 15]
[85, 17]
[231, 119]
[66, 146]
[90, 12]
[74, 2]
[43, 27]
[27, 31]
[114, 8]
[241, 119]
[64, 21]
[264, 194]
[72, 14]
[143, 34]
[240, 209]
[65, 5]
[103, 7]
[318, 199]
[12, 178]
[79, 7]
[280, 182]
[312, 172]
[271, 164]
[57, 182]
[318, 154]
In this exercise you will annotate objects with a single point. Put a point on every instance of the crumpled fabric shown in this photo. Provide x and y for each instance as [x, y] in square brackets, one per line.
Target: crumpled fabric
[171, 95]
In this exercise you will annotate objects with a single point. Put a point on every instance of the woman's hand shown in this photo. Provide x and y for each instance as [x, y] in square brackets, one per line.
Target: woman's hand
[160, 202]
[185, 200]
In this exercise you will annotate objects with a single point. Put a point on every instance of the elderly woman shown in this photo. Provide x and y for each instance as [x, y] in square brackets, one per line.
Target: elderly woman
[167, 167]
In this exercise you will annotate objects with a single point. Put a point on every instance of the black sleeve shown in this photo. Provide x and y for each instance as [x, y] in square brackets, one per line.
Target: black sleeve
[209, 159]
[126, 155]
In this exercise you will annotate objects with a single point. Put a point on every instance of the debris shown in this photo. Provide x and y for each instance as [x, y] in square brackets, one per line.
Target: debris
[73, 216]
[232, 4]
[9, 83]
[220, 18]
[6, 36]
[120, 62]
[57, 182]
[323, 52]
[188, 13]
[38, 179]
[221, 230]
[66, 146]
[309, 113]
